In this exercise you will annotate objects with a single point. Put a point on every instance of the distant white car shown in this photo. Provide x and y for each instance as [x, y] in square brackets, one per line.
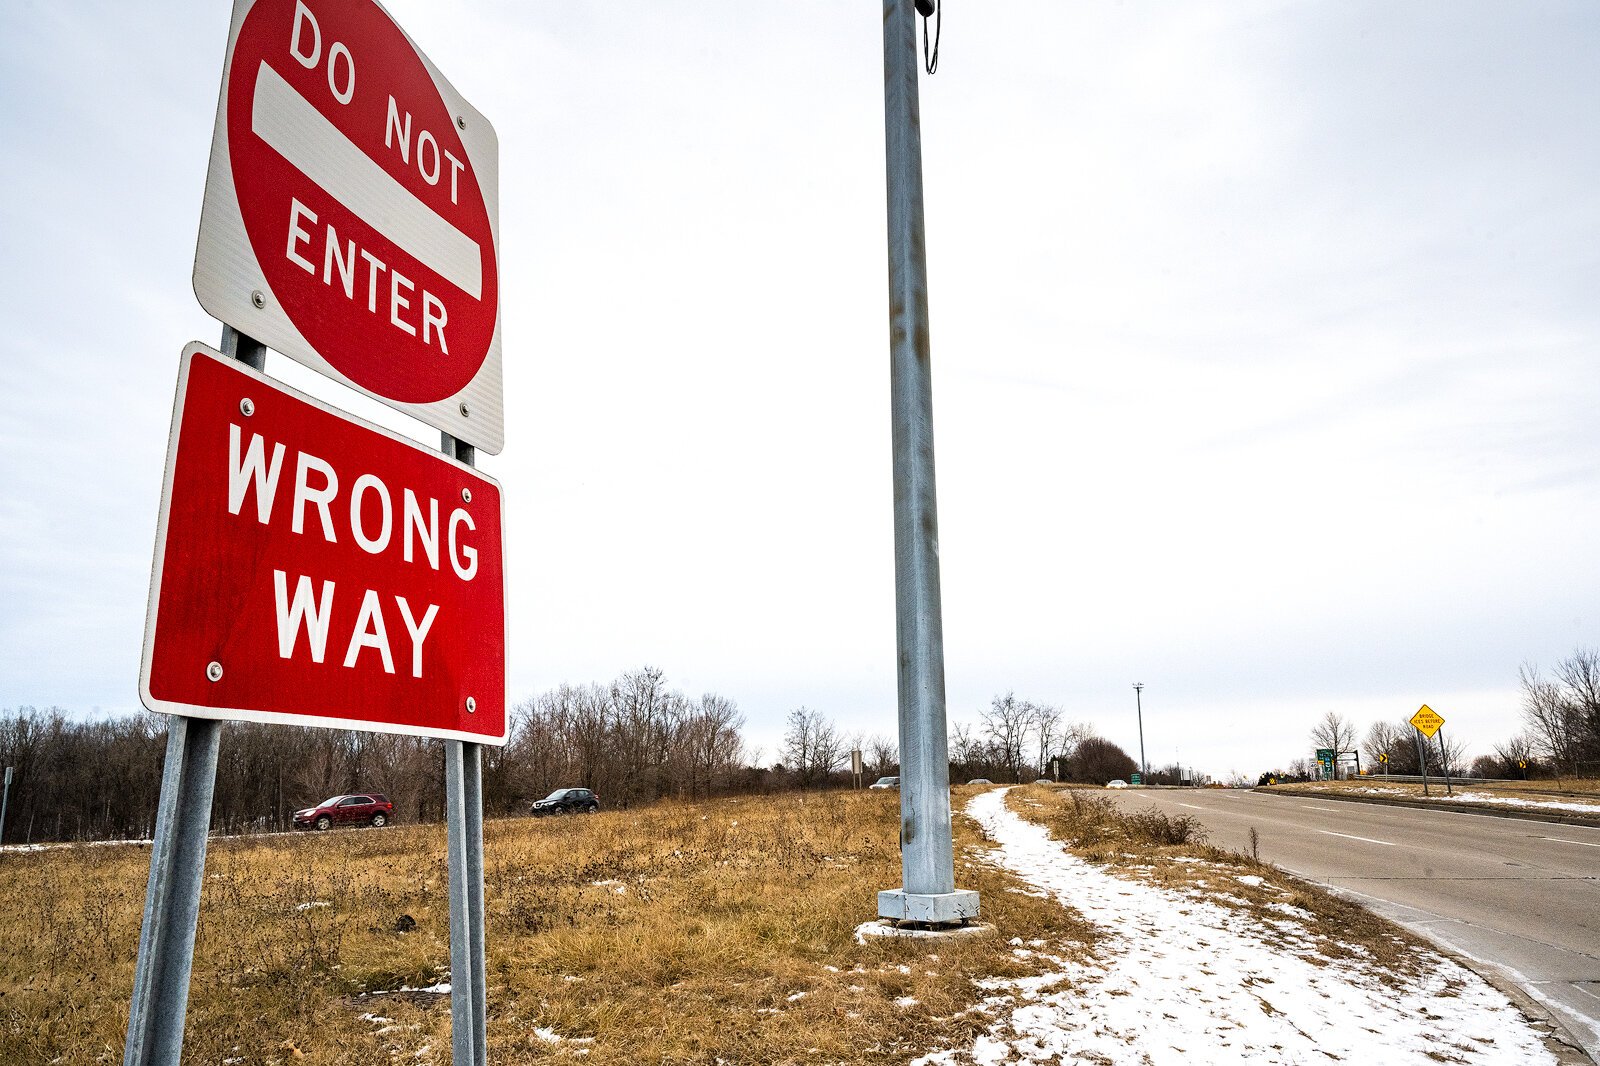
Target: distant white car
[980, 781]
[1119, 783]
[885, 782]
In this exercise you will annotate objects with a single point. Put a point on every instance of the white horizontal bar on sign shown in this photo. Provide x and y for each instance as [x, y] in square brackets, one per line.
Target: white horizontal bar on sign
[299, 132]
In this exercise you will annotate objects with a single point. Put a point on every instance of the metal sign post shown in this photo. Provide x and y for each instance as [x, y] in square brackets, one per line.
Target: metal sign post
[177, 860]
[927, 891]
[1426, 722]
[1422, 756]
[463, 776]
[5, 800]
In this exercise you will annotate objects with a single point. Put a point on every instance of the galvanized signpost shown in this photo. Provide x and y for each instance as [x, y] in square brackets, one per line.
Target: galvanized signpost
[1426, 722]
[5, 800]
[927, 892]
[319, 179]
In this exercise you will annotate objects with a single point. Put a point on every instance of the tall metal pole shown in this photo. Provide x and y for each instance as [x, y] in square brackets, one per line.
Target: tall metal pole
[1138, 703]
[463, 777]
[927, 890]
[5, 801]
[177, 859]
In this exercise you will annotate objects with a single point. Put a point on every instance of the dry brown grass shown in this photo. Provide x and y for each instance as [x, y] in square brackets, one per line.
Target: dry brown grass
[721, 931]
[1171, 851]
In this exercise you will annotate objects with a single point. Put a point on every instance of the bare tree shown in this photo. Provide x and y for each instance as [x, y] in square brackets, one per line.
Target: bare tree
[1046, 729]
[1391, 739]
[1334, 731]
[1006, 724]
[812, 747]
[883, 755]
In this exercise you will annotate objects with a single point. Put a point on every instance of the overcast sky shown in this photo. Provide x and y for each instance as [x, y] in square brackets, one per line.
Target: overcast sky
[1265, 344]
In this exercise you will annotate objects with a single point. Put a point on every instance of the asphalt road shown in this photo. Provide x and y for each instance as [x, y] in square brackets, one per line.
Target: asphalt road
[1520, 896]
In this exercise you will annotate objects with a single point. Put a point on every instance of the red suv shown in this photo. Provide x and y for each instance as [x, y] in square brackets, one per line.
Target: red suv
[367, 808]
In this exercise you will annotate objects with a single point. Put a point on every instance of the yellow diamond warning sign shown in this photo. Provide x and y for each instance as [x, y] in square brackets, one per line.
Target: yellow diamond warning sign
[1427, 721]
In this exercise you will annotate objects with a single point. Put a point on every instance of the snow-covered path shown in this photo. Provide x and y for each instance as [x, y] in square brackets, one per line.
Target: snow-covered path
[1181, 980]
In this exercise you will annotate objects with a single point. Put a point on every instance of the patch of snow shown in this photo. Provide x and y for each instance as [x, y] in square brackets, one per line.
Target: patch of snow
[906, 1001]
[879, 927]
[312, 904]
[1518, 801]
[1484, 798]
[442, 989]
[1183, 980]
[549, 1036]
[796, 997]
[1249, 879]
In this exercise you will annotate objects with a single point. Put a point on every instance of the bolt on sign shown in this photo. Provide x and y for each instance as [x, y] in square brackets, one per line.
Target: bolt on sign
[313, 569]
[1427, 721]
[351, 216]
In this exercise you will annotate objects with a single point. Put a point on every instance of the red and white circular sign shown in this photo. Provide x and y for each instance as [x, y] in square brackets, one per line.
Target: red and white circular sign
[363, 196]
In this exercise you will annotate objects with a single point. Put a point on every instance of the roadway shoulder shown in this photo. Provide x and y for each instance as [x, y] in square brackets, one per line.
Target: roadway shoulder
[1556, 817]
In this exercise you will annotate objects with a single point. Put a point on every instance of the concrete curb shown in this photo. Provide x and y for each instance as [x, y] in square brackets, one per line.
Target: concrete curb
[1553, 817]
[1560, 1041]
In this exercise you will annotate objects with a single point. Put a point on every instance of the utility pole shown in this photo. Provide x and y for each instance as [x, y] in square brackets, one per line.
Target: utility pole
[927, 892]
[1138, 703]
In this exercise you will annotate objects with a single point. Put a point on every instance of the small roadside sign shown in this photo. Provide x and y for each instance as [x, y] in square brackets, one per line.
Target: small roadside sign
[312, 569]
[1427, 721]
[351, 216]
[1383, 756]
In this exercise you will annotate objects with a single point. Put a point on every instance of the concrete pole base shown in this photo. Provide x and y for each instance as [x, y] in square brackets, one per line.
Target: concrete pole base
[933, 908]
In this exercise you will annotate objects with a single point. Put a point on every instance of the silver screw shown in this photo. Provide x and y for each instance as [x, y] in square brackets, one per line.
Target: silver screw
[247, 407]
[258, 298]
[461, 122]
[472, 705]
[466, 495]
[214, 670]
[465, 413]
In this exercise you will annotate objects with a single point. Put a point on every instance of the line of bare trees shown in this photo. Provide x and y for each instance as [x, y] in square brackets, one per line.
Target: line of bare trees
[1020, 740]
[1560, 733]
[632, 740]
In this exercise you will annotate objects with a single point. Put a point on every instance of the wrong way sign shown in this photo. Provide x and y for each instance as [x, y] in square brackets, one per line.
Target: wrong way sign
[351, 212]
[313, 569]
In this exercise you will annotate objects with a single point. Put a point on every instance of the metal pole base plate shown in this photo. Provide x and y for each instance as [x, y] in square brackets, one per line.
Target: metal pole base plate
[932, 908]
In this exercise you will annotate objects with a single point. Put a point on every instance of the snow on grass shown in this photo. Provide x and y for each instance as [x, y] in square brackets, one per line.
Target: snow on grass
[1518, 801]
[1490, 799]
[1181, 980]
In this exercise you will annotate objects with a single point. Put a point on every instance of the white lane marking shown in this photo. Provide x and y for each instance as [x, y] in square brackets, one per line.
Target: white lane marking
[1191, 806]
[1564, 840]
[1309, 807]
[298, 132]
[1347, 836]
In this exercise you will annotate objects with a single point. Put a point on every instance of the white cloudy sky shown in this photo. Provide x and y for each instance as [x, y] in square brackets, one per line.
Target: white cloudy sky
[1265, 349]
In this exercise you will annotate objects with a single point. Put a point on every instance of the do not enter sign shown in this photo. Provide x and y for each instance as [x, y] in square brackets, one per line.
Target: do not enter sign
[351, 212]
[311, 569]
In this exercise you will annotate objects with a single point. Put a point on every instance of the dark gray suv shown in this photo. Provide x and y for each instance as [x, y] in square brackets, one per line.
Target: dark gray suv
[566, 801]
